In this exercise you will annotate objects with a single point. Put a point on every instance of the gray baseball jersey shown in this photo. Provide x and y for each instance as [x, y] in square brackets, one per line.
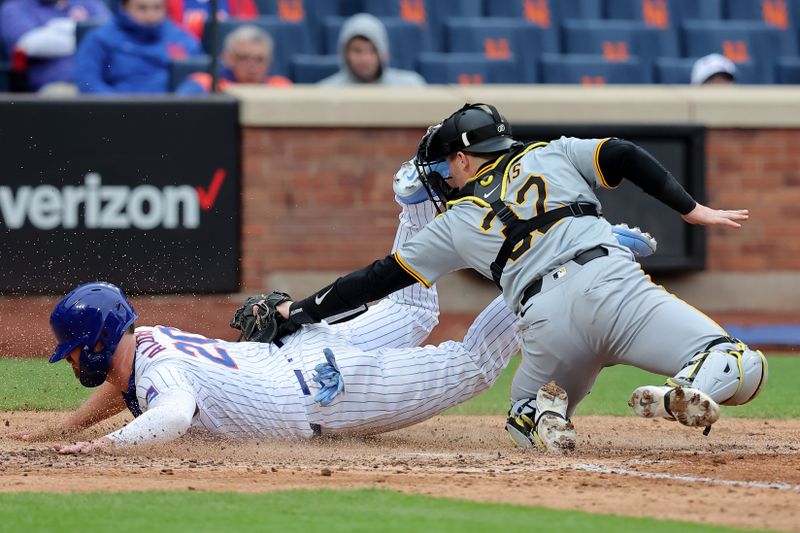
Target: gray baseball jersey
[586, 316]
[542, 178]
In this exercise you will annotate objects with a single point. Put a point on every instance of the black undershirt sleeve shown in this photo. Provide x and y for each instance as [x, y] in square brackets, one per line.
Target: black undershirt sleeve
[620, 159]
[352, 291]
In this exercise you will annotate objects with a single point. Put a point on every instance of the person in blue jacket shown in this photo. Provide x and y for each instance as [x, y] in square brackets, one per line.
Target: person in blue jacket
[132, 54]
[44, 32]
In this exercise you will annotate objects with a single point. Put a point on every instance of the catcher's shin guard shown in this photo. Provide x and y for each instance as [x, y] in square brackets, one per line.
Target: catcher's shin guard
[690, 407]
[728, 371]
[543, 425]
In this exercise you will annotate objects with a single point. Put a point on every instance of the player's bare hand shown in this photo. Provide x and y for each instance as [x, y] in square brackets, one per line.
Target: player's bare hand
[284, 308]
[705, 216]
[84, 448]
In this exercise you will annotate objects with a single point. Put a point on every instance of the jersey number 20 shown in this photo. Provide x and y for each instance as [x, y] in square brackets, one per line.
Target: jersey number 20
[196, 346]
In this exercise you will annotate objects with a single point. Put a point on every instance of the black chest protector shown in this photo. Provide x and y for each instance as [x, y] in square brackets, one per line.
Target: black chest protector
[488, 187]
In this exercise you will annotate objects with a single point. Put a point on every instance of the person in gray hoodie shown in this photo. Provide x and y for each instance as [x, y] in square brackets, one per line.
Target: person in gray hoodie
[364, 53]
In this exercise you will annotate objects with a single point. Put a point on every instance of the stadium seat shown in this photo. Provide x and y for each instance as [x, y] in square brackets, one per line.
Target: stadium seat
[429, 13]
[406, 40]
[502, 38]
[616, 40]
[351, 7]
[467, 69]
[545, 13]
[290, 38]
[664, 14]
[311, 12]
[778, 14]
[180, 70]
[787, 70]
[439, 12]
[592, 70]
[678, 70]
[313, 68]
[415, 11]
[740, 41]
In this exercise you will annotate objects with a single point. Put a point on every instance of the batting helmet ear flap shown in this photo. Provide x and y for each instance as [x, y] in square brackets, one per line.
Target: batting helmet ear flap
[94, 366]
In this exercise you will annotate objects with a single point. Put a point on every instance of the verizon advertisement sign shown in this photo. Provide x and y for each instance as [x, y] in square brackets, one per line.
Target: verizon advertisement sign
[144, 194]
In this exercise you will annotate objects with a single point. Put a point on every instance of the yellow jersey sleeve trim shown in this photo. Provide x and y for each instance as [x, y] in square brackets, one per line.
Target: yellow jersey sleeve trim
[511, 163]
[600, 176]
[410, 271]
[474, 199]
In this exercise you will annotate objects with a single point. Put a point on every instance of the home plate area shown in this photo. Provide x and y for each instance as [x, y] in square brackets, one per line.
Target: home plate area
[745, 474]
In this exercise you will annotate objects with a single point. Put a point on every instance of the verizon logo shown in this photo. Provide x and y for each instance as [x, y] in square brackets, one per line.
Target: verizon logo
[97, 206]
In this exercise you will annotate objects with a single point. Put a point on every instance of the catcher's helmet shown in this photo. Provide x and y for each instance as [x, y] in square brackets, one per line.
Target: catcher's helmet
[475, 128]
[91, 313]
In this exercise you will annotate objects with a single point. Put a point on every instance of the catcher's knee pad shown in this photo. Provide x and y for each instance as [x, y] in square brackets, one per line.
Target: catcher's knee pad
[728, 371]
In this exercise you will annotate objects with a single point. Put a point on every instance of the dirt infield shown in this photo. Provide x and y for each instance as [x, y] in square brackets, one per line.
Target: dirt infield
[745, 474]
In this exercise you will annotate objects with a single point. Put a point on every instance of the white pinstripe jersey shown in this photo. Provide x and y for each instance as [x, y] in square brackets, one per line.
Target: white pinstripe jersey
[256, 390]
[241, 389]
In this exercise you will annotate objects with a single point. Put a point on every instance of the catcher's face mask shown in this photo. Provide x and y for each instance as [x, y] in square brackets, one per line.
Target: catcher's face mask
[429, 168]
[475, 129]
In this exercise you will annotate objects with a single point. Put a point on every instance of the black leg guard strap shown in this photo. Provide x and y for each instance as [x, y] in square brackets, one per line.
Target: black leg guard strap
[666, 403]
[722, 340]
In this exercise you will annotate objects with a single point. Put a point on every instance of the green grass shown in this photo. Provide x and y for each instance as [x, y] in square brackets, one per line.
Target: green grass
[27, 384]
[300, 511]
[34, 384]
[612, 389]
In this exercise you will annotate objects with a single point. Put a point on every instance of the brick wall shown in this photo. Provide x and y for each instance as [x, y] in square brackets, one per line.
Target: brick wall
[758, 170]
[318, 200]
[321, 200]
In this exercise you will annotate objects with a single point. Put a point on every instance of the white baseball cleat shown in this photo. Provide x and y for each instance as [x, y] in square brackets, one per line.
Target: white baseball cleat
[550, 430]
[690, 407]
[553, 430]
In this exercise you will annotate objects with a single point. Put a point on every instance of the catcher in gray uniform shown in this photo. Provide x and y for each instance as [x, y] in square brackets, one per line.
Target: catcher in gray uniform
[526, 216]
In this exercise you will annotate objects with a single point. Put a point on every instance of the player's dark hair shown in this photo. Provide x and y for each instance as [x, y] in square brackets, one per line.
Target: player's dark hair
[131, 329]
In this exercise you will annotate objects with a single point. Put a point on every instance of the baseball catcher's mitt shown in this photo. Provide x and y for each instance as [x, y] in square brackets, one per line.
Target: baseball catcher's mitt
[257, 319]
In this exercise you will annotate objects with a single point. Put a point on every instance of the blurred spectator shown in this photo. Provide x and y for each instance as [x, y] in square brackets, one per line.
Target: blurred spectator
[364, 53]
[133, 53]
[246, 58]
[191, 15]
[713, 69]
[44, 31]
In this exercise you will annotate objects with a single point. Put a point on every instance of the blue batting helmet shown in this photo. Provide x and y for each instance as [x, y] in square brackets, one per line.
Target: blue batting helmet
[92, 313]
